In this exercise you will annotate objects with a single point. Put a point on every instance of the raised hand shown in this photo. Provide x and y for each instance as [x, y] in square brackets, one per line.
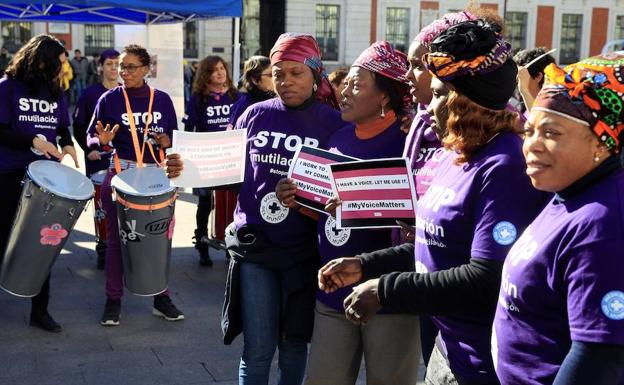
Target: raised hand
[106, 134]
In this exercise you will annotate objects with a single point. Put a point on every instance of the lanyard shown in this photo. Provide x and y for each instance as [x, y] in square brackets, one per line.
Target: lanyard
[138, 149]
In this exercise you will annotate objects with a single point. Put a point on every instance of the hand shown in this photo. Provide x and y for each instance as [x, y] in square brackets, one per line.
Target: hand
[339, 273]
[94, 155]
[406, 123]
[174, 165]
[523, 77]
[407, 231]
[285, 191]
[331, 206]
[163, 140]
[363, 303]
[47, 148]
[106, 134]
[71, 151]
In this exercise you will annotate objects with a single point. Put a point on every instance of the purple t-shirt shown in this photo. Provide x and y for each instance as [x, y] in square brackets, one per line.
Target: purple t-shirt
[474, 210]
[334, 243]
[562, 282]
[274, 132]
[33, 114]
[111, 108]
[82, 117]
[210, 115]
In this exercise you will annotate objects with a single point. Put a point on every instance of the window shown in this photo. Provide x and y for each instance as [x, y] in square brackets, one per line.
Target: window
[397, 28]
[516, 23]
[327, 30]
[15, 34]
[98, 37]
[250, 29]
[190, 39]
[570, 47]
[619, 29]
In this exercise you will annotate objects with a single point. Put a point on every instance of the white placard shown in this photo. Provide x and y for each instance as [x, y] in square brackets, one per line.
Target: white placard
[210, 158]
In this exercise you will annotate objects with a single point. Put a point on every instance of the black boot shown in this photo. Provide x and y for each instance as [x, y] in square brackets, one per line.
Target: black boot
[100, 249]
[202, 247]
[39, 316]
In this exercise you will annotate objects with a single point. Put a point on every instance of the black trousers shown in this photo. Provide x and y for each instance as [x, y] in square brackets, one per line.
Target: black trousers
[10, 192]
[204, 206]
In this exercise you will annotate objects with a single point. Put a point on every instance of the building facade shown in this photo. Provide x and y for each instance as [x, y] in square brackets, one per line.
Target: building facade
[577, 28]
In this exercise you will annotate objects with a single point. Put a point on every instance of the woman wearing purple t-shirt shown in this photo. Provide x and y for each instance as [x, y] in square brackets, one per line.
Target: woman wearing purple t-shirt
[257, 86]
[560, 313]
[375, 97]
[134, 104]
[467, 220]
[208, 110]
[272, 276]
[33, 114]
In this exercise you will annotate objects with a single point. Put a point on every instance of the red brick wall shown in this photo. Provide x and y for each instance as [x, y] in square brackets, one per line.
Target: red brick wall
[429, 5]
[373, 22]
[544, 27]
[492, 6]
[599, 25]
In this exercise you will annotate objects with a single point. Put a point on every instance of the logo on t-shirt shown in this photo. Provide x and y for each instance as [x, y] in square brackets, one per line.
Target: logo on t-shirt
[613, 305]
[272, 210]
[504, 233]
[334, 235]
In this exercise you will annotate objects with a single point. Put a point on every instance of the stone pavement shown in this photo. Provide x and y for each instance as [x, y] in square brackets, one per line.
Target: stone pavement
[144, 349]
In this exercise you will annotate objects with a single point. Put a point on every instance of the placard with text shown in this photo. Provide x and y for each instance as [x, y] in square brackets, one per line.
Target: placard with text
[310, 171]
[374, 193]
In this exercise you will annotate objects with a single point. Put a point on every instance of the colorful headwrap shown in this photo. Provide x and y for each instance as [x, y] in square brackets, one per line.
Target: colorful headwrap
[304, 49]
[108, 54]
[427, 34]
[383, 59]
[475, 58]
[590, 92]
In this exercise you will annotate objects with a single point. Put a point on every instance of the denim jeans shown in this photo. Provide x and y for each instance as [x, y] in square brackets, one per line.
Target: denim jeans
[260, 308]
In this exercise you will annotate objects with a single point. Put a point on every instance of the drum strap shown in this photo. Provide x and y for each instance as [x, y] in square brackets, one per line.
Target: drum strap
[139, 150]
[143, 207]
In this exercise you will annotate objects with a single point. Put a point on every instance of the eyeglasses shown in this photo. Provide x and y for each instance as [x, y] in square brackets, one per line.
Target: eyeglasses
[129, 68]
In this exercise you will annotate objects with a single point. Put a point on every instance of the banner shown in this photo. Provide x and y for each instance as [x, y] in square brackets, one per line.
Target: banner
[210, 158]
[310, 171]
[374, 193]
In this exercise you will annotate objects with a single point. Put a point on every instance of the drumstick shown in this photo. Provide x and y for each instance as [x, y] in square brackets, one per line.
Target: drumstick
[540, 57]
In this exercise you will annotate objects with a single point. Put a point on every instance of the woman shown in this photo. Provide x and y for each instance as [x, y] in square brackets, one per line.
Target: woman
[257, 86]
[33, 75]
[375, 98]
[560, 314]
[423, 147]
[208, 111]
[66, 76]
[111, 126]
[96, 160]
[273, 248]
[467, 219]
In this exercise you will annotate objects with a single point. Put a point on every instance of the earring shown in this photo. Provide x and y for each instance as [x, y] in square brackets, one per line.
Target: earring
[383, 112]
[315, 87]
[596, 158]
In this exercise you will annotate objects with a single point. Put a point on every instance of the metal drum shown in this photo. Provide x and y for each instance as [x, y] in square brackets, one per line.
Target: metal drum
[53, 197]
[145, 207]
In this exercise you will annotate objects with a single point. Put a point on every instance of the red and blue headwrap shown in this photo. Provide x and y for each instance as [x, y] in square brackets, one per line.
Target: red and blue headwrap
[304, 49]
